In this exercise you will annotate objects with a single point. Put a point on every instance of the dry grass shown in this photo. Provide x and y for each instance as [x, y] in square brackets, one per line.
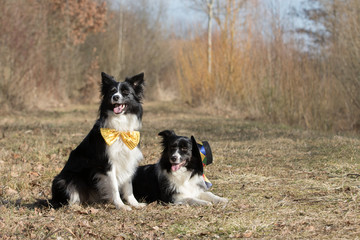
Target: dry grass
[282, 182]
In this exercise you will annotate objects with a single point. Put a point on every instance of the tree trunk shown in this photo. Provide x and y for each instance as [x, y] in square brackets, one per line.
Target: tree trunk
[210, 17]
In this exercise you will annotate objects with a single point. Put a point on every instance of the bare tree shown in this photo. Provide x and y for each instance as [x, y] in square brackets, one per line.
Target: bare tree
[210, 4]
[207, 7]
[120, 51]
[141, 42]
[337, 38]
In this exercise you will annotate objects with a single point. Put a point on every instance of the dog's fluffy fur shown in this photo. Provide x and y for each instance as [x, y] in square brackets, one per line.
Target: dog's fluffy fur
[177, 177]
[96, 171]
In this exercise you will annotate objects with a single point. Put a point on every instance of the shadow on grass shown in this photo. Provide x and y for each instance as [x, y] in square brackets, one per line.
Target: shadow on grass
[38, 204]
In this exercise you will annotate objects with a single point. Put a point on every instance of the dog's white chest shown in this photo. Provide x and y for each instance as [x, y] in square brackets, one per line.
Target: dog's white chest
[128, 122]
[184, 184]
[123, 160]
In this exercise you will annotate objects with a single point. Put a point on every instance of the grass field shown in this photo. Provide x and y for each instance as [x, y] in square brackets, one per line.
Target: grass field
[283, 183]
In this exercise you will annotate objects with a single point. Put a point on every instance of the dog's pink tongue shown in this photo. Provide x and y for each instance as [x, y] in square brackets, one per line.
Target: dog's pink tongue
[176, 167]
[118, 109]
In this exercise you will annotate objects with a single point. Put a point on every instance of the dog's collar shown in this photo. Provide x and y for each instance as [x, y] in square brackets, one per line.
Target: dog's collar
[131, 139]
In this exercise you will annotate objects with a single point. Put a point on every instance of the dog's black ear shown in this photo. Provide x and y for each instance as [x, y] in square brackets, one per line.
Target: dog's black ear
[137, 83]
[166, 133]
[195, 156]
[106, 81]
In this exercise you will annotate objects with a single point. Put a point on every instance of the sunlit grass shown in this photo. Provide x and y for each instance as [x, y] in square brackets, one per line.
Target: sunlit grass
[281, 182]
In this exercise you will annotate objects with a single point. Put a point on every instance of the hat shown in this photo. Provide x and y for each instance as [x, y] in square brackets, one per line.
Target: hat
[205, 152]
[206, 158]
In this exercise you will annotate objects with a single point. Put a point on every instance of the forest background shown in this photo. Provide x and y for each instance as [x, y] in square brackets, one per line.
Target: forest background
[243, 56]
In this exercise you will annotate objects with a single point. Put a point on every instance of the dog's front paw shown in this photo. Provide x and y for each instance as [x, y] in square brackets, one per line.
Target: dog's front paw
[223, 200]
[194, 202]
[218, 200]
[140, 205]
[200, 203]
[131, 200]
[123, 207]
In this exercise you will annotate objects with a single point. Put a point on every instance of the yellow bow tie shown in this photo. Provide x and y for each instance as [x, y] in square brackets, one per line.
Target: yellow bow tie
[131, 139]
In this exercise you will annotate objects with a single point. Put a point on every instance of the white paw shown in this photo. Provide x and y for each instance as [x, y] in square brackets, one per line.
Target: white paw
[223, 200]
[218, 200]
[139, 205]
[123, 207]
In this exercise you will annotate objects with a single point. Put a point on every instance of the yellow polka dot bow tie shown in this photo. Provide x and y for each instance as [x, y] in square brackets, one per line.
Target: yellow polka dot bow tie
[131, 139]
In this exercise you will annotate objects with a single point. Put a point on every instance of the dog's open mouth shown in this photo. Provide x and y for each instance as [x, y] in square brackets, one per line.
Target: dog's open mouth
[119, 108]
[175, 167]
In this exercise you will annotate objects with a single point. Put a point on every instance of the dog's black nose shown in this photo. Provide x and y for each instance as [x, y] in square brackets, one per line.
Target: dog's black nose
[173, 159]
[115, 98]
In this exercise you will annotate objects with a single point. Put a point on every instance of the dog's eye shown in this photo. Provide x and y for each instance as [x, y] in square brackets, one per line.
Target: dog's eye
[184, 149]
[113, 90]
[125, 92]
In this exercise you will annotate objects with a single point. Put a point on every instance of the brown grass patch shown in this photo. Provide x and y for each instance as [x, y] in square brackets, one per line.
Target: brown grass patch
[282, 182]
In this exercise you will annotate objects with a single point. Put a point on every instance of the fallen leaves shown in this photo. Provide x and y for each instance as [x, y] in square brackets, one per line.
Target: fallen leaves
[85, 211]
[156, 228]
[16, 156]
[33, 174]
[10, 191]
[257, 188]
[247, 234]
[84, 223]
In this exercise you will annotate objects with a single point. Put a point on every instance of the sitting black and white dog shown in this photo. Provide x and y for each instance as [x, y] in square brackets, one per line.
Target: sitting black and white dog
[177, 177]
[97, 170]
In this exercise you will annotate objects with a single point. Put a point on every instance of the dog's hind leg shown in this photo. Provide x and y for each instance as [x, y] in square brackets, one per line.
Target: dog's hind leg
[60, 194]
[74, 195]
[109, 189]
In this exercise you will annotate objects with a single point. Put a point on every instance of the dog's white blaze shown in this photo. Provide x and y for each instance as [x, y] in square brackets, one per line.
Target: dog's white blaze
[116, 94]
[177, 155]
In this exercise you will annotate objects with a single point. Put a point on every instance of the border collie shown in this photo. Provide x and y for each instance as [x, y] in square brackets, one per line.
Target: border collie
[96, 170]
[177, 177]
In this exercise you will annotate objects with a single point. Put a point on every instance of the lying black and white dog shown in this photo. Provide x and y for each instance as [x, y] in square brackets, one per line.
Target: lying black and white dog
[177, 177]
[97, 169]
